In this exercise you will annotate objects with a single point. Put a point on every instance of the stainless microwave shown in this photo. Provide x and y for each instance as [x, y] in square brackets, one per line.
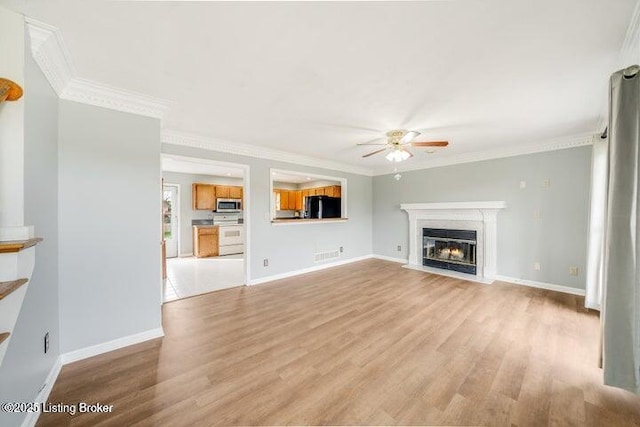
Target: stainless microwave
[228, 205]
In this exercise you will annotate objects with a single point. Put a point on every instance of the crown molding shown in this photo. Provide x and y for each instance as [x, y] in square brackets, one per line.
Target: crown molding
[499, 153]
[49, 51]
[101, 95]
[197, 141]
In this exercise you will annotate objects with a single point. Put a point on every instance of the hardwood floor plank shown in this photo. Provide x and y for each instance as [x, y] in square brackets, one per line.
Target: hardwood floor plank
[369, 343]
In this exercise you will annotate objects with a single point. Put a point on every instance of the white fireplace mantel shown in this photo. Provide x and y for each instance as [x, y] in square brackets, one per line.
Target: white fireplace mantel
[478, 216]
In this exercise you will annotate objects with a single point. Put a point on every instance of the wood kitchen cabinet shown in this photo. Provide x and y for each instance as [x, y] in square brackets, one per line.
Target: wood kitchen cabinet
[332, 191]
[203, 196]
[223, 191]
[228, 192]
[284, 200]
[297, 200]
[205, 241]
[235, 192]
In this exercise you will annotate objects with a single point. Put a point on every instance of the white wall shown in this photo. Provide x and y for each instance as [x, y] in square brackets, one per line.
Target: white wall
[12, 123]
[110, 225]
[26, 366]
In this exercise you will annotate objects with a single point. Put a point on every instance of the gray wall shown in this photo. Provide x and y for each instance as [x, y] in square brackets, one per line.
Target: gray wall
[292, 247]
[557, 240]
[110, 219]
[25, 366]
[186, 212]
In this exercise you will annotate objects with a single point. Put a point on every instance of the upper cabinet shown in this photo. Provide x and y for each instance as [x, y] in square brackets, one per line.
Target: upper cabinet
[222, 191]
[294, 196]
[235, 192]
[203, 196]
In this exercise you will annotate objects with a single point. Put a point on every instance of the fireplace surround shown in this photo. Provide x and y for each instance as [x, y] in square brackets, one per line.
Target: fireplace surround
[471, 217]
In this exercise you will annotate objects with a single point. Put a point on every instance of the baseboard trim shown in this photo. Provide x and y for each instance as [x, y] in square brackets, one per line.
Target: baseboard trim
[307, 270]
[541, 285]
[185, 255]
[84, 353]
[390, 258]
[32, 417]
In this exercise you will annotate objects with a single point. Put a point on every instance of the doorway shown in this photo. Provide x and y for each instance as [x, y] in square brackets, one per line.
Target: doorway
[171, 219]
[205, 225]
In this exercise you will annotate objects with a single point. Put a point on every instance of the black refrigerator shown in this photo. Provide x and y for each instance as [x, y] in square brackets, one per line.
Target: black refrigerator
[323, 207]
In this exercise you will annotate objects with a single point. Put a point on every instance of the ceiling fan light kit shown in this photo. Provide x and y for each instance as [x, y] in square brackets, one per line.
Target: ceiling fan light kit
[397, 142]
[398, 155]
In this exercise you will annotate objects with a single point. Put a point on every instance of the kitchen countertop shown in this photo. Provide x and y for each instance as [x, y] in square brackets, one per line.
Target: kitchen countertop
[217, 225]
[305, 220]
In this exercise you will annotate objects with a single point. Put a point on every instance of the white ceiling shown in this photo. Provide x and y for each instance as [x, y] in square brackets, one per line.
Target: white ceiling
[293, 178]
[315, 78]
[193, 166]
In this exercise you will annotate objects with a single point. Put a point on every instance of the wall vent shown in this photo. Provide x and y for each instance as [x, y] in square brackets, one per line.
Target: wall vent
[323, 256]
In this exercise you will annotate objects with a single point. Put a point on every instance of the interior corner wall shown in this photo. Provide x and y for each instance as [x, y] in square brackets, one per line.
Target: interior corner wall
[26, 366]
[110, 225]
[292, 247]
[557, 240]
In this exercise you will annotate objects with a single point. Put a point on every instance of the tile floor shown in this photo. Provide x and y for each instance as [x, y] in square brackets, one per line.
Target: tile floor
[191, 276]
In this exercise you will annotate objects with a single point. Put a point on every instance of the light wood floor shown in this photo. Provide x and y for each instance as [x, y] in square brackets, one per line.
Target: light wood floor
[366, 343]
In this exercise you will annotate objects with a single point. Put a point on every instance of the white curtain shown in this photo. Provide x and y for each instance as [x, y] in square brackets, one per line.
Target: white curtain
[597, 223]
[621, 297]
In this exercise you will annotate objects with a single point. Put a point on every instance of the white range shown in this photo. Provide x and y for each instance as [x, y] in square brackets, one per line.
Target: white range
[231, 239]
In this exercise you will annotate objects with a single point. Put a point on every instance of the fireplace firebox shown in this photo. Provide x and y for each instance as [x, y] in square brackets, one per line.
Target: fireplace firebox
[449, 249]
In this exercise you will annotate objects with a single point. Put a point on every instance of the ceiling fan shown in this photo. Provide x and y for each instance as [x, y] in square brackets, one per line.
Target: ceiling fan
[397, 142]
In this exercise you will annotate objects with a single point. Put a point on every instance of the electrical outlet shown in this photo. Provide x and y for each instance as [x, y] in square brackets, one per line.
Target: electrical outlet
[265, 262]
[341, 249]
[536, 266]
[523, 184]
[546, 183]
[573, 270]
[399, 248]
[537, 215]
[46, 343]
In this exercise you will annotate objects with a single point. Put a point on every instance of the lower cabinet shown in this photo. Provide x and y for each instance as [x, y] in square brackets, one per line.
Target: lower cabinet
[205, 241]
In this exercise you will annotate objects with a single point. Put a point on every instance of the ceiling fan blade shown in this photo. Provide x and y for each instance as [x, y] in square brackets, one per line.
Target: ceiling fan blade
[409, 136]
[375, 152]
[373, 142]
[430, 144]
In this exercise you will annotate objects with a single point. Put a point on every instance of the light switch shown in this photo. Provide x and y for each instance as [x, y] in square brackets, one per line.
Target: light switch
[536, 266]
[523, 184]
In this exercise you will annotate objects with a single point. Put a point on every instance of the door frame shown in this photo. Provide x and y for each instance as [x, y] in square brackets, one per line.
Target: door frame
[246, 202]
[179, 213]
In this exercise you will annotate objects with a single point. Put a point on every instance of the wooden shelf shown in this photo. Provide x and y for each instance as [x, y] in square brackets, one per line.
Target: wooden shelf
[7, 287]
[4, 336]
[18, 245]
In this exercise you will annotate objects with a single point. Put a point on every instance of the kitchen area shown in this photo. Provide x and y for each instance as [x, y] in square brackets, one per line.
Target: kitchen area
[300, 198]
[205, 232]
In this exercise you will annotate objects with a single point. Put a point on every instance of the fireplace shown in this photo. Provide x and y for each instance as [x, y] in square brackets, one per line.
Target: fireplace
[449, 249]
[471, 255]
